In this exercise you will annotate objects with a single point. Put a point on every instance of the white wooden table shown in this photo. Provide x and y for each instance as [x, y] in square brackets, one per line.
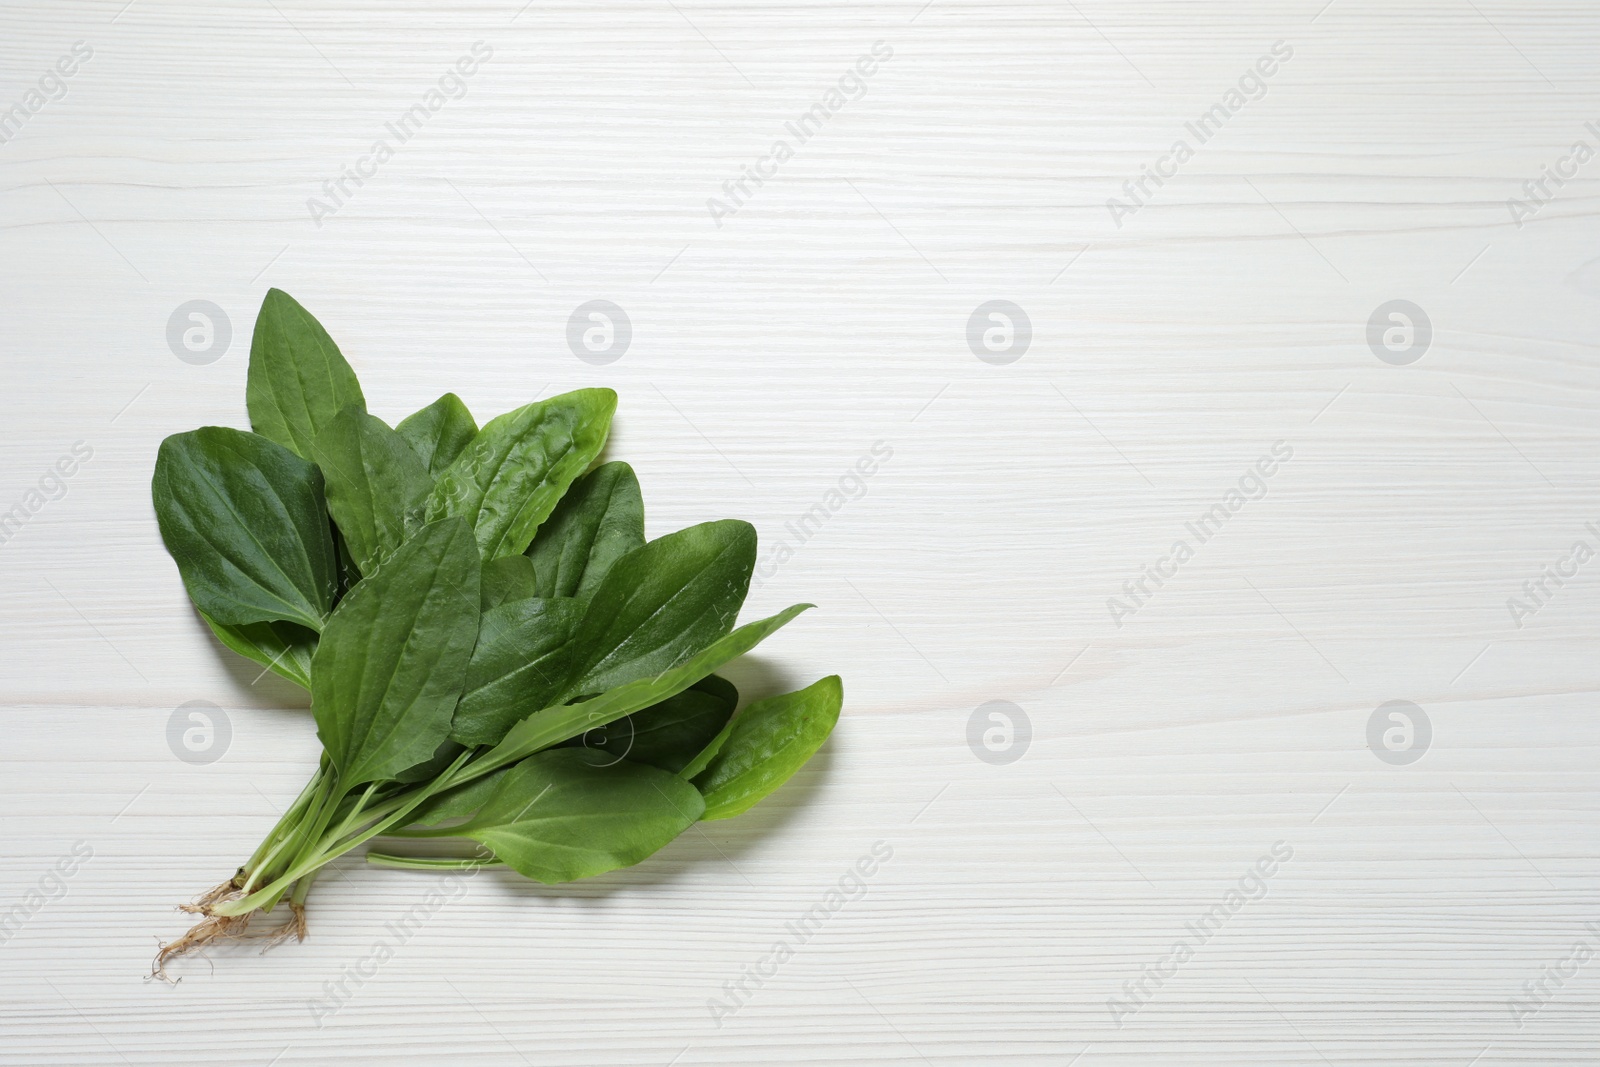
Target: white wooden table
[1032, 912]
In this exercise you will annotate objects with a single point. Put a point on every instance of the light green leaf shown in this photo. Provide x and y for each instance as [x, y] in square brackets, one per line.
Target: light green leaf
[389, 668]
[560, 722]
[245, 522]
[663, 602]
[282, 647]
[600, 520]
[297, 381]
[770, 740]
[670, 735]
[509, 478]
[508, 578]
[375, 484]
[522, 662]
[564, 815]
[439, 432]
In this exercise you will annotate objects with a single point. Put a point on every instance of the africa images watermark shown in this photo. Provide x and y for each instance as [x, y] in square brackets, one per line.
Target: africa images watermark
[1538, 191]
[1252, 86]
[50, 86]
[452, 85]
[52, 485]
[852, 485]
[1537, 992]
[1537, 592]
[1252, 485]
[52, 885]
[1247, 889]
[850, 886]
[447, 888]
[851, 86]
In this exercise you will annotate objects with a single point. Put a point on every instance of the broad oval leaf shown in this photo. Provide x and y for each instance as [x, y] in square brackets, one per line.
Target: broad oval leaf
[284, 648]
[508, 578]
[664, 602]
[522, 663]
[770, 740]
[669, 735]
[375, 484]
[508, 479]
[298, 380]
[439, 432]
[600, 520]
[389, 668]
[557, 723]
[245, 522]
[571, 814]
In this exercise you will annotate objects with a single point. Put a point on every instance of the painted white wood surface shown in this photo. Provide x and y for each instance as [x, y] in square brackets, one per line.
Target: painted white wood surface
[829, 313]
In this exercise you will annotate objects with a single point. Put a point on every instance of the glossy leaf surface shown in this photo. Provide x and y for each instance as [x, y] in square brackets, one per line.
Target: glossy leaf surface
[245, 522]
[393, 657]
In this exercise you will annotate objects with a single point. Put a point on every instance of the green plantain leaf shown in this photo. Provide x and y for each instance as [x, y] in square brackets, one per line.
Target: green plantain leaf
[509, 478]
[669, 735]
[663, 602]
[389, 668]
[600, 520]
[458, 803]
[297, 380]
[560, 722]
[347, 574]
[724, 688]
[567, 814]
[770, 740]
[245, 522]
[522, 663]
[433, 766]
[282, 647]
[375, 484]
[439, 432]
[508, 578]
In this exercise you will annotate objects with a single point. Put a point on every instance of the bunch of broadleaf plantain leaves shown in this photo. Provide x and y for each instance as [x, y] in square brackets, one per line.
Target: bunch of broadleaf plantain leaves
[494, 651]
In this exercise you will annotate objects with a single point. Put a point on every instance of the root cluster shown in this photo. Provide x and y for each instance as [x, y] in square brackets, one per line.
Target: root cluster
[219, 929]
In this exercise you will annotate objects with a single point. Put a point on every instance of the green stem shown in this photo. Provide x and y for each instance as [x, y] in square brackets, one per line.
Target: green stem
[262, 868]
[288, 822]
[332, 846]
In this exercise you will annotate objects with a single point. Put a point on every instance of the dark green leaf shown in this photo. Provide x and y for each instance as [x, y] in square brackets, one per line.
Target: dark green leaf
[348, 574]
[393, 656]
[434, 765]
[458, 803]
[662, 603]
[297, 380]
[770, 740]
[439, 432]
[509, 478]
[522, 662]
[704, 757]
[244, 520]
[508, 578]
[375, 484]
[600, 520]
[282, 647]
[558, 723]
[668, 735]
[567, 814]
[718, 686]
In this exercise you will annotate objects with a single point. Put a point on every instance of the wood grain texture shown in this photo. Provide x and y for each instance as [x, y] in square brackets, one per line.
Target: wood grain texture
[828, 313]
